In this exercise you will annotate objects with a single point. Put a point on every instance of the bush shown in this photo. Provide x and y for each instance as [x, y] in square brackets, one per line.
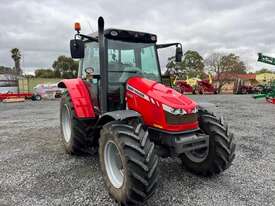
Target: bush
[44, 73]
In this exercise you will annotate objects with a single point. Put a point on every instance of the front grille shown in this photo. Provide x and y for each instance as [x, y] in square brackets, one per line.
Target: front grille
[180, 119]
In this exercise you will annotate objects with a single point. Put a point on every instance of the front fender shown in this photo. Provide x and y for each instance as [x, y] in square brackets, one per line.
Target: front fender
[80, 97]
[206, 105]
[118, 115]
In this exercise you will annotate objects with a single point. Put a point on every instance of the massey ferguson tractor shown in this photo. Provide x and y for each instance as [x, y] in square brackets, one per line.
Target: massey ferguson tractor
[118, 106]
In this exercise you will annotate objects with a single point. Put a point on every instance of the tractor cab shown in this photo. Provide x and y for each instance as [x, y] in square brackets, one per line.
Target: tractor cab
[109, 57]
[128, 54]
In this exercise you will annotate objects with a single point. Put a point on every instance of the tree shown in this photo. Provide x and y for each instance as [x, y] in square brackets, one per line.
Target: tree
[191, 66]
[171, 67]
[233, 64]
[29, 76]
[5, 70]
[225, 67]
[264, 70]
[44, 73]
[16, 56]
[65, 67]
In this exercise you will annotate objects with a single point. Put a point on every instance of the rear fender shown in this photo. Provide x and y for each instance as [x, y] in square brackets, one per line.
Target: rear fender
[80, 97]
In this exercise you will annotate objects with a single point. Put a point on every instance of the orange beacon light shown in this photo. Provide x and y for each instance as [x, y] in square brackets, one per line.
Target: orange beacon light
[77, 26]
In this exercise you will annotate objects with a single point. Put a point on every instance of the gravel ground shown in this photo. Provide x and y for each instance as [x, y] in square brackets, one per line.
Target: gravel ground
[34, 169]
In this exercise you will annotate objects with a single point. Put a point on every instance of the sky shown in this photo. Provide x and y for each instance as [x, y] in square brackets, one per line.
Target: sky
[41, 29]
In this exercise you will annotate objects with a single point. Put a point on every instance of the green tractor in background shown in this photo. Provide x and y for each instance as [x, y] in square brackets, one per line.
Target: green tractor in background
[268, 91]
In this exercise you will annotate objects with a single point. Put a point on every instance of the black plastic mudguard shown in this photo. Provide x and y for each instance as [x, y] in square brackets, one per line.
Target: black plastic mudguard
[117, 115]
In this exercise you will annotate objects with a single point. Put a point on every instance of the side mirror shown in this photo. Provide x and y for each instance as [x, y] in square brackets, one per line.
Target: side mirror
[178, 54]
[77, 48]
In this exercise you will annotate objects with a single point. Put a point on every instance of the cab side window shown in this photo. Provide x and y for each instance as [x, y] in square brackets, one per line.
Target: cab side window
[91, 58]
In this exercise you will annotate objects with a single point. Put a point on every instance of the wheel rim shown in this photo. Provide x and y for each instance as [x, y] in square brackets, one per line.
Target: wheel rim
[113, 164]
[198, 155]
[66, 123]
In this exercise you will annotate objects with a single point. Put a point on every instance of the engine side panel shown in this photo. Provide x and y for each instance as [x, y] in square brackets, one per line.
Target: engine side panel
[80, 96]
[146, 97]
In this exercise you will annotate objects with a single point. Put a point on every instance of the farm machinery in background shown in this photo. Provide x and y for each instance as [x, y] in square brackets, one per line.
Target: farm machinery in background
[183, 87]
[205, 87]
[241, 88]
[46, 91]
[14, 88]
[268, 90]
[17, 89]
[195, 86]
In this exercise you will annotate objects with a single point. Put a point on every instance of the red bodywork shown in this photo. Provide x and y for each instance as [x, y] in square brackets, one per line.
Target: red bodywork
[15, 95]
[147, 96]
[80, 96]
[205, 87]
[184, 87]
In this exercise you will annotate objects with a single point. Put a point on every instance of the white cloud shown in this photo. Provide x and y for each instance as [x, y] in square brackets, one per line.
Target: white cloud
[42, 29]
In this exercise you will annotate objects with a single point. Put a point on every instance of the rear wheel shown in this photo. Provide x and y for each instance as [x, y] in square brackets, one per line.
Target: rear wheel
[128, 162]
[76, 133]
[220, 152]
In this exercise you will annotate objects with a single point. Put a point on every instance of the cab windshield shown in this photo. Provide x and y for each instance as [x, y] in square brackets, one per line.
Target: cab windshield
[124, 60]
[128, 59]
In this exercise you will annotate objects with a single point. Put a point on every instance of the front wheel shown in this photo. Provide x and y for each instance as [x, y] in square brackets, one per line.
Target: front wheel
[218, 156]
[128, 162]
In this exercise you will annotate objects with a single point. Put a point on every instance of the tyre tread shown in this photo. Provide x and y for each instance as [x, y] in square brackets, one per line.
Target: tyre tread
[141, 159]
[223, 141]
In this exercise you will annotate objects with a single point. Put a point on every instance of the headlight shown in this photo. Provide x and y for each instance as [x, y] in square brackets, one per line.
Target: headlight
[195, 110]
[173, 110]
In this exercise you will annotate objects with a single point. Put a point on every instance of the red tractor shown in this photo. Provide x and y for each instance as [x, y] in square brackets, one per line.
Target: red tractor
[118, 106]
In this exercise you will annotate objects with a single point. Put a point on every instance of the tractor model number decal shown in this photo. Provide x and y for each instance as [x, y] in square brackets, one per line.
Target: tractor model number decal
[137, 92]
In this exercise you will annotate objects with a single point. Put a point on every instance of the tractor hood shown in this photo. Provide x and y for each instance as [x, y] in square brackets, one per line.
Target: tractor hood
[160, 93]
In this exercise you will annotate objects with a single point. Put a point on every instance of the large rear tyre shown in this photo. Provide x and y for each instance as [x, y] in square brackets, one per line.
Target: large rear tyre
[220, 153]
[76, 133]
[128, 162]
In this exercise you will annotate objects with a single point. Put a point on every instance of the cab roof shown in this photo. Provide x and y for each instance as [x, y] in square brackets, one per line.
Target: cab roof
[127, 35]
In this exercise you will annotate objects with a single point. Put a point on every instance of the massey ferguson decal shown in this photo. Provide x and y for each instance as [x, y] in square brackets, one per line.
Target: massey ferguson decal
[137, 92]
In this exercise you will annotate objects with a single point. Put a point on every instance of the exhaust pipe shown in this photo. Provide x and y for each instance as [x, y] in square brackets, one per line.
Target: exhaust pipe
[103, 66]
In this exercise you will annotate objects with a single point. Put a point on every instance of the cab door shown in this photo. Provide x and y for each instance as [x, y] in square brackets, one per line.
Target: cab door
[89, 71]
